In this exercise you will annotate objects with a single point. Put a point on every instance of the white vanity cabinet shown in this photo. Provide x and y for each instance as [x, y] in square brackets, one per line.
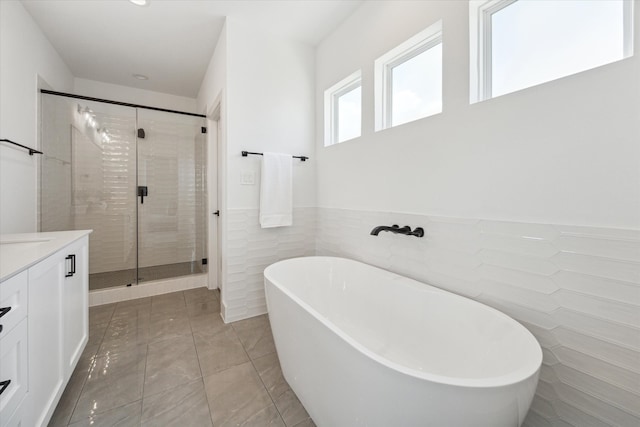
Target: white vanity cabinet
[49, 333]
[13, 345]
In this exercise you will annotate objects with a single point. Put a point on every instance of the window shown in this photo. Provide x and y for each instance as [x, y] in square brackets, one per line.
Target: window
[517, 44]
[409, 80]
[343, 110]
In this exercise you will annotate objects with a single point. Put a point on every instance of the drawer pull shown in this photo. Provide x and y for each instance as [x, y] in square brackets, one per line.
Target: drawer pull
[4, 385]
[4, 310]
[72, 271]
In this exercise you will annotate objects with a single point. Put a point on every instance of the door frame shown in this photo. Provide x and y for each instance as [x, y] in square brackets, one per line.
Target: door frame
[215, 196]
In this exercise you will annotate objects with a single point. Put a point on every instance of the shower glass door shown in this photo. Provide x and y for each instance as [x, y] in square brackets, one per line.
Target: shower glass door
[136, 177]
[171, 188]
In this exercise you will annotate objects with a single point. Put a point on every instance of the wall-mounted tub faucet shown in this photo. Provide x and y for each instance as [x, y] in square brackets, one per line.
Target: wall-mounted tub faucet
[396, 229]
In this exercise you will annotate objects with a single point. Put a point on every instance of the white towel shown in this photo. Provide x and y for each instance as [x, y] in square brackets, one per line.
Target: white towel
[276, 190]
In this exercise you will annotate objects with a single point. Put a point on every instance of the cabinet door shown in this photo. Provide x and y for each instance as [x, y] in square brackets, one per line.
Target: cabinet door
[46, 367]
[75, 304]
[13, 371]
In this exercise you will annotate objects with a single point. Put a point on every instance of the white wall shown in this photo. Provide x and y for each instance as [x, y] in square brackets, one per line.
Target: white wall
[270, 101]
[133, 95]
[562, 152]
[266, 87]
[25, 54]
[530, 203]
[215, 78]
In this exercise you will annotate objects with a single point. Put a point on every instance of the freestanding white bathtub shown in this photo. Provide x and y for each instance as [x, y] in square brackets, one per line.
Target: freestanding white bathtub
[361, 346]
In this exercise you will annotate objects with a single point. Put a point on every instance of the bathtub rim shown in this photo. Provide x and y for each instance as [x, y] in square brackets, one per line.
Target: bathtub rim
[518, 376]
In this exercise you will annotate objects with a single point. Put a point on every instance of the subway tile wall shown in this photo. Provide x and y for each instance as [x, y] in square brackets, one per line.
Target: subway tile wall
[577, 289]
[250, 249]
[103, 193]
[170, 163]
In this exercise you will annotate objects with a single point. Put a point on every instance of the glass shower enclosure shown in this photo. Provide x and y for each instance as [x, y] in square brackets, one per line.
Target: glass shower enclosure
[136, 177]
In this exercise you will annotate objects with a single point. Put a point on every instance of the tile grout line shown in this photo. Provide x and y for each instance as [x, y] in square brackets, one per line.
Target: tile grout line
[204, 388]
[258, 374]
[93, 359]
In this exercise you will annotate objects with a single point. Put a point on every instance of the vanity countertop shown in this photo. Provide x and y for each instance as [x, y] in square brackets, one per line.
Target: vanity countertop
[20, 251]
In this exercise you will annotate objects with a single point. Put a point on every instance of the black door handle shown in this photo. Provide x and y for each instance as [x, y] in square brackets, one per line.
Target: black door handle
[217, 213]
[4, 385]
[142, 191]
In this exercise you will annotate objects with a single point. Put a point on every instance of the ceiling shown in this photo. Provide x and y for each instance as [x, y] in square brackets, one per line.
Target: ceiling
[170, 41]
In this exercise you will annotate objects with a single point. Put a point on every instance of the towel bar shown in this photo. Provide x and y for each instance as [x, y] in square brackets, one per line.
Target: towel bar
[246, 153]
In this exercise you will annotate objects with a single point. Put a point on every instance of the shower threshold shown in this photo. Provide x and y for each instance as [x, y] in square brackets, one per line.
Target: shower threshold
[110, 279]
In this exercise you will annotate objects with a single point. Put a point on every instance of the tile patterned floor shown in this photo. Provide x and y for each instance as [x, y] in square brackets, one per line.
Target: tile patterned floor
[170, 360]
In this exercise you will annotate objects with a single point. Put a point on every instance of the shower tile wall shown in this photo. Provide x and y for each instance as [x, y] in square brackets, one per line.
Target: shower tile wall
[250, 249]
[104, 185]
[577, 289]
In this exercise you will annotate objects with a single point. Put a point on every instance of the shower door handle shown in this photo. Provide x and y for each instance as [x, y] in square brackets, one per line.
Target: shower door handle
[142, 192]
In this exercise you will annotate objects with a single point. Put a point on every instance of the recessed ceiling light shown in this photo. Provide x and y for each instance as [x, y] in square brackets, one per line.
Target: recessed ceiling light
[140, 77]
[140, 2]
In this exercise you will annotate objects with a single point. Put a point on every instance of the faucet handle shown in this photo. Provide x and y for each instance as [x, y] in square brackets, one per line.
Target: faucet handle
[418, 232]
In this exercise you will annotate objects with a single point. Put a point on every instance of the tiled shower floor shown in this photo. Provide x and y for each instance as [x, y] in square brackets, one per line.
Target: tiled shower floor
[109, 279]
[169, 360]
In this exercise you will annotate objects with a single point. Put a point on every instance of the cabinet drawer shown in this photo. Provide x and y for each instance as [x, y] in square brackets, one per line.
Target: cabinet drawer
[13, 368]
[18, 419]
[13, 302]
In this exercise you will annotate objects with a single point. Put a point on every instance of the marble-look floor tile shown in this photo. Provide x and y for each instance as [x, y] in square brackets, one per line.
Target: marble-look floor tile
[133, 308]
[69, 398]
[208, 323]
[203, 308]
[218, 350]
[123, 416]
[185, 405]
[100, 314]
[134, 302]
[255, 335]
[290, 408]
[200, 295]
[306, 423]
[113, 381]
[124, 334]
[168, 325]
[168, 303]
[236, 395]
[268, 417]
[170, 363]
[268, 368]
[96, 333]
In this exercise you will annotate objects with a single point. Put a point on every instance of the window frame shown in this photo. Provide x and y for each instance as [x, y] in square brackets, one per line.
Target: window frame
[480, 34]
[383, 66]
[331, 110]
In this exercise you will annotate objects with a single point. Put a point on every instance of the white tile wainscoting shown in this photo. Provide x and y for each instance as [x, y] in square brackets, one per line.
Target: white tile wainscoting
[576, 288]
[250, 249]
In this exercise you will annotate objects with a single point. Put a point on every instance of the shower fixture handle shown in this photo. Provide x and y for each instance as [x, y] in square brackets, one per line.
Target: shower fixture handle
[142, 192]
